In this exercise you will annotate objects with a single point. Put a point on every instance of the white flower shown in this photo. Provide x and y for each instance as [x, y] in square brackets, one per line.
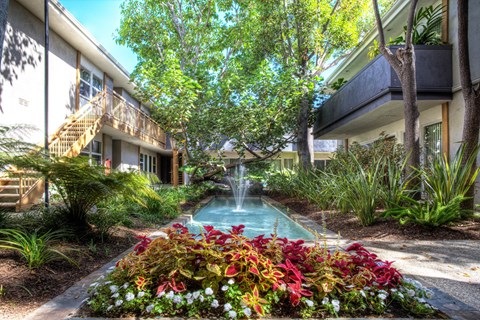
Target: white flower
[208, 291]
[231, 281]
[149, 308]
[113, 288]
[411, 292]
[325, 300]
[109, 307]
[129, 296]
[189, 301]
[196, 294]
[95, 284]
[115, 295]
[362, 293]
[107, 282]
[201, 298]
[336, 305]
[177, 299]
[118, 303]
[188, 296]
[169, 295]
[421, 300]
[161, 294]
[374, 283]
[382, 296]
[227, 307]
[101, 277]
[383, 291]
[428, 293]
[224, 288]
[140, 294]
[283, 287]
[125, 285]
[247, 312]
[215, 303]
[400, 295]
[350, 286]
[309, 303]
[366, 288]
[232, 314]
[393, 290]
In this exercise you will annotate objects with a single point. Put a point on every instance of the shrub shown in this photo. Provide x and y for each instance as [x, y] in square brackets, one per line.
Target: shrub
[104, 219]
[446, 184]
[226, 274]
[37, 249]
[81, 185]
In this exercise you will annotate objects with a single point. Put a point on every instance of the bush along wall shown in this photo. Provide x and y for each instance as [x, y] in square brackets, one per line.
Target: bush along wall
[219, 274]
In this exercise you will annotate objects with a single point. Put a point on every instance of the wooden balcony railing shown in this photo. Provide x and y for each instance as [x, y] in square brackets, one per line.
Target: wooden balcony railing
[122, 115]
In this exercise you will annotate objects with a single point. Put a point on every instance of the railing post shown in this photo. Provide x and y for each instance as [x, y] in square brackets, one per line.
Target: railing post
[175, 167]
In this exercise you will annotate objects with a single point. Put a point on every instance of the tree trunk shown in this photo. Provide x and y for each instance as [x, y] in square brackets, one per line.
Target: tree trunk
[410, 109]
[471, 122]
[303, 150]
[3, 25]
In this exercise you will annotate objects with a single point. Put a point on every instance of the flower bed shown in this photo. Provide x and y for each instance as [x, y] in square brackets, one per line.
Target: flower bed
[229, 275]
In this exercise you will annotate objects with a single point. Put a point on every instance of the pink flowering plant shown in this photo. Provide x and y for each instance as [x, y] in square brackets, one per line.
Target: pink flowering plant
[229, 275]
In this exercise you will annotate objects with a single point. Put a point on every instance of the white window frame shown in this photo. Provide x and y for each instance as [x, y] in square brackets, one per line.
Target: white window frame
[92, 90]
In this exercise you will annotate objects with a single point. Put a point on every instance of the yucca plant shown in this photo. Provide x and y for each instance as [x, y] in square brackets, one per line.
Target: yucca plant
[446, 180]
[363, 190]
[37, 249]
[446, 184]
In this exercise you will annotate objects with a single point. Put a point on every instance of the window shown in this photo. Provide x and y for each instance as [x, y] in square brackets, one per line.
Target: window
[94, 152]
[90, 84]
[321, 164]
[288, 163]
[276, 165]
[148, 163]
[432, 143]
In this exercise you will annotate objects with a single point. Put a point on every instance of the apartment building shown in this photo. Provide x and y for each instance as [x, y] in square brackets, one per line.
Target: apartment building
[371, 101]
[92, 109]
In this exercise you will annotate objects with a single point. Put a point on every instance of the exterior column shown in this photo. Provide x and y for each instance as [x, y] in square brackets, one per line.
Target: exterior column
[175, 167]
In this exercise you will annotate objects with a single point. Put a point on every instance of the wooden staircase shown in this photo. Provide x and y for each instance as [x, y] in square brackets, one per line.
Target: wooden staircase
[18, 190]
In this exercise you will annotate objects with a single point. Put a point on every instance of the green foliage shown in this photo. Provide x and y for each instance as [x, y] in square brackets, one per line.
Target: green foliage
[426, 30]
[105, 219]
[37, 249]
[363, 189]
[446, 184]
[338, 84]
[81, 185]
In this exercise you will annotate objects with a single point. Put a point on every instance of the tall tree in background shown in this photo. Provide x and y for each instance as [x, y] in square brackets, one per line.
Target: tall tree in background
[403, 62]
[471, 95]
[191, 67]
[307, 37]
[3, 24]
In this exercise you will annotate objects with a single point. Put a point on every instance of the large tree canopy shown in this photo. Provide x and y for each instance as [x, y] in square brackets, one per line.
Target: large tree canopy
[244, 71]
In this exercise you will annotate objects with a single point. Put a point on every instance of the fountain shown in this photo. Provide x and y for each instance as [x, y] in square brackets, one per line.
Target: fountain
[239, 187]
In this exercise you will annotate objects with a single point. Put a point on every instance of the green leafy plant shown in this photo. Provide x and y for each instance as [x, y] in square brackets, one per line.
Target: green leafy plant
[81, 185]
[446, 184]
[37, 249]
[426, 30]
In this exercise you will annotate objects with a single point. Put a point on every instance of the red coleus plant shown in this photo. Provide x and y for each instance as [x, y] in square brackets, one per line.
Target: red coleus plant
[142, 245]
[189, 262]
[384, 274]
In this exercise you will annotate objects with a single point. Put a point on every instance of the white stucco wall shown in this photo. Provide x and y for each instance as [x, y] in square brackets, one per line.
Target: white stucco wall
[22, 74]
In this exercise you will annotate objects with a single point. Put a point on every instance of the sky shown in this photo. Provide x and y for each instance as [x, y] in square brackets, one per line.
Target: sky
[102, 19]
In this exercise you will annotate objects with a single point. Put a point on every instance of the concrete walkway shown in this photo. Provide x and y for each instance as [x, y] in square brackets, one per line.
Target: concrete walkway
[451, 269]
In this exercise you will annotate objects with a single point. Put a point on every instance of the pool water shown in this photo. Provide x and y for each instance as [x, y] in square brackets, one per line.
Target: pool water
[258, 217]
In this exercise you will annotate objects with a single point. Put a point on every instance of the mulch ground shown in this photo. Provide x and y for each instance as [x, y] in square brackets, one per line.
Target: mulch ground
[23, 290]
[386, 229]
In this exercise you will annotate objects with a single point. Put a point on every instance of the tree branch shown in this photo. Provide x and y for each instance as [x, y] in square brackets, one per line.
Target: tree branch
[411, 16]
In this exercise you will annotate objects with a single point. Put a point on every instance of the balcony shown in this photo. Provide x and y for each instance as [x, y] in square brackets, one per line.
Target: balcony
[123, 116]
[373, 97]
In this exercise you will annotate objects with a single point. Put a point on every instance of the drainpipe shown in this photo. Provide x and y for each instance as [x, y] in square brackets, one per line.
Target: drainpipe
[47, 49]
